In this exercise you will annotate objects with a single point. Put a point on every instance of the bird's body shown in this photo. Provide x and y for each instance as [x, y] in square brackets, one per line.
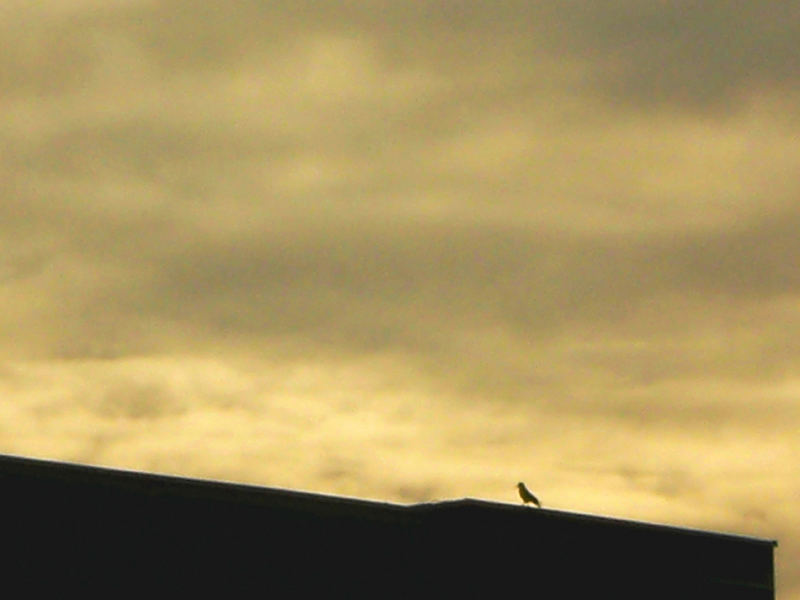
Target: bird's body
[527, 495]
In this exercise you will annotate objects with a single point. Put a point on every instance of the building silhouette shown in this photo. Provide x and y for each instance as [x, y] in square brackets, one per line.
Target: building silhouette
[111, 532]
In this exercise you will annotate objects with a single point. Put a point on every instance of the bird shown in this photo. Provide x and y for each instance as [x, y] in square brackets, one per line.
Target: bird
[527, 495]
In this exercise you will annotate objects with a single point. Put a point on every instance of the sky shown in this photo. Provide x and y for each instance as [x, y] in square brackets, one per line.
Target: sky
[411, 251]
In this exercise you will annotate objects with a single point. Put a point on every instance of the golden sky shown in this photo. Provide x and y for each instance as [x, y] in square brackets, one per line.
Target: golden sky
[411, 250]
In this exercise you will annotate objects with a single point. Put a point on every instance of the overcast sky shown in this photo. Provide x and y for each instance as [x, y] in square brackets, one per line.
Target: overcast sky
[411, 250]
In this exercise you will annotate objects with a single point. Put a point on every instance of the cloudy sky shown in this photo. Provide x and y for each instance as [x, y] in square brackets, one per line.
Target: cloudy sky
[411, 250]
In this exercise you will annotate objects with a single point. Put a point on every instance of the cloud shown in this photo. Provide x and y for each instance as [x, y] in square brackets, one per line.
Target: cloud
[371, 286]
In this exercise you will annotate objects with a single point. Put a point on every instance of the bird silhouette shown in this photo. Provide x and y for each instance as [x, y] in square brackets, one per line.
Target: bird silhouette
[527, 495]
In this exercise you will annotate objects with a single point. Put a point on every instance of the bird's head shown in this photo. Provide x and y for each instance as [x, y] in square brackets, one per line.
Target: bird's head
[520, 485]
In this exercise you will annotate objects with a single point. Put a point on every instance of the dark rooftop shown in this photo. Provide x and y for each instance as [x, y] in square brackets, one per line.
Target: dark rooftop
[168, 530]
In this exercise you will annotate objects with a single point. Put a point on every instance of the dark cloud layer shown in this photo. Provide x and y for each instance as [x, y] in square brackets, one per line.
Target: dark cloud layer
[362, 288]
[690, 54]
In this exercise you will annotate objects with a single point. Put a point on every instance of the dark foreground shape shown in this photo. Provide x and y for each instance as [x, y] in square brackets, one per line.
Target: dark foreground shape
[108, 532]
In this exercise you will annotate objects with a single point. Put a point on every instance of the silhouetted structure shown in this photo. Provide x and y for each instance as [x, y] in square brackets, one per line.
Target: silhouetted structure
[107, 531]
